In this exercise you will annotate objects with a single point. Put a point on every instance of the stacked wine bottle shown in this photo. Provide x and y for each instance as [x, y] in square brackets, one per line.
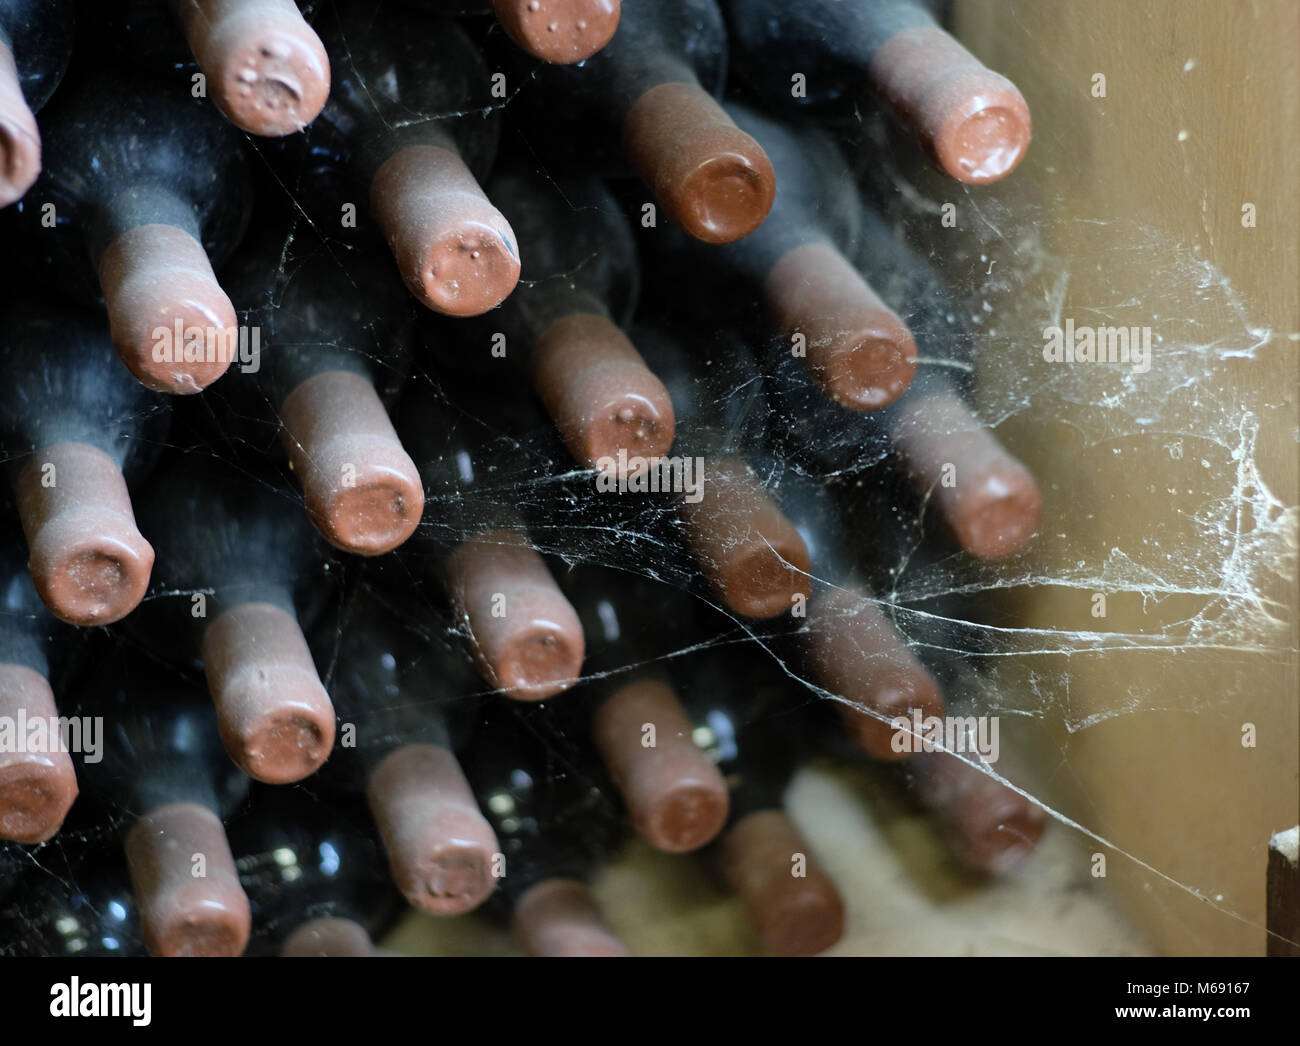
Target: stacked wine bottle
[446, 439]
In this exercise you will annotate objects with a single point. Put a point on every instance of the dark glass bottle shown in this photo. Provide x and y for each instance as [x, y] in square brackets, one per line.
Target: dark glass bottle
[163, 765]
[754, 559]
[411, 117]
[650, 95]
[37, 781]
[334, 332]
[548, 800]
[406, 694]
[76, 429]
[745, 713]
[847, 636]
[149, 193]
[238, 569]
[35, 46]
[987, 821]
[562, 325]
[827, 54]
[960, 767]
[314, 875]
[524, 635]
[261, 63]
[675, 798]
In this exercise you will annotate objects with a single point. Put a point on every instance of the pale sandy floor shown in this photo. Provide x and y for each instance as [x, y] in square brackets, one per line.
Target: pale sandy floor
[903, 895]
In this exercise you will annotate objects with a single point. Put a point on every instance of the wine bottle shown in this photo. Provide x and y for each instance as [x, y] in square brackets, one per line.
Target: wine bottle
[986, 498]
[972, 123]
[260, 62]
[76, 429]
[37, 781]
[988, 821]
[153, 190]
[830, 319]
[651, 94]
[562, 325]
[523, 633]
[846, 637]
[548, 801]
[408, 694]
[164, 766]
[958, 766]
[753, 557]
[747, 715]
[561, 31]
[418, 134]
[266, 68]
[334, 339]
[675, 797]
[313, 874]
[35, 46]
[238, 568]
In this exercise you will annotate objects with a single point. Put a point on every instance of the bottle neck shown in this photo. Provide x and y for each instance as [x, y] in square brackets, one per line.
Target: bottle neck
[141, 204]
[202, 774]
[25, 625]
[744, 721]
